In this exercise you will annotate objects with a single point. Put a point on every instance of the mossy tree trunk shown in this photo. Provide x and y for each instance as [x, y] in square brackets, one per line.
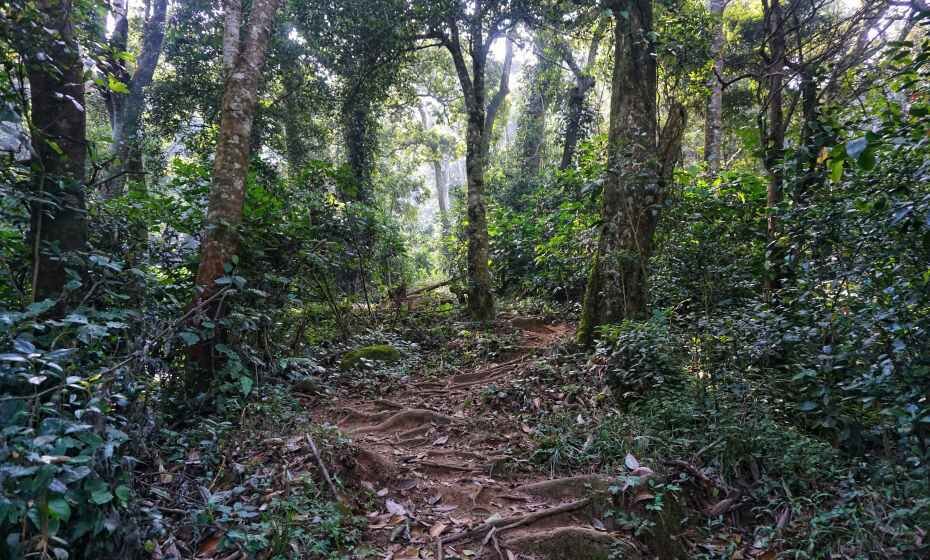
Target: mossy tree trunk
[633, 193]
[481, 117]
[713, 124]
[774, 135]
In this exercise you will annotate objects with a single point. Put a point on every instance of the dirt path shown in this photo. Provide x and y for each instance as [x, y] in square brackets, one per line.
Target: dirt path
[452, 483]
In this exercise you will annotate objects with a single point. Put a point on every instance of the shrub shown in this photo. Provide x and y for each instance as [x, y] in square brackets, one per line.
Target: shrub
[640, 357]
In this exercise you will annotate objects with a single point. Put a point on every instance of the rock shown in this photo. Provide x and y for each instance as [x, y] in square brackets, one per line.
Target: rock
[376, 353]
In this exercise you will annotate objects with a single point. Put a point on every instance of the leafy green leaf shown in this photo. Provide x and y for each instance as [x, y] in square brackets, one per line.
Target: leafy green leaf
[190, 338]
[59, 508]
[245, 384]
[116, 86]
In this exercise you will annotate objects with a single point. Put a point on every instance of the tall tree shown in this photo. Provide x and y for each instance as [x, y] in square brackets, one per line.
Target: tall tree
[774, 129]
[713, 125]
[125, 107]
[436, 147]
[584, 82]
[231, 162]
[58, 129]
[532, 129]
[468, 30]
[633, 191]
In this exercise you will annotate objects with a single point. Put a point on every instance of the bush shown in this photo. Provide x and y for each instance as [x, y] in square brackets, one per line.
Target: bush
[640, 357]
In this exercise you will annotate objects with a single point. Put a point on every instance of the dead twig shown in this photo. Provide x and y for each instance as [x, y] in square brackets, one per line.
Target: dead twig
[324, 470]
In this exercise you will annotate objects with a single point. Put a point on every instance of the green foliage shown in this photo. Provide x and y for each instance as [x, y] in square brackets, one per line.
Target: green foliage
[641, 357]
[66, 472]
[542, 243]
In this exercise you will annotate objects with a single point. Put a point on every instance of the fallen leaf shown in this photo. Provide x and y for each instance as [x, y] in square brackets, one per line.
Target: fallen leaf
[208, 547]
[631, 462]
[395, 507]
[383, 492]
[438, 529]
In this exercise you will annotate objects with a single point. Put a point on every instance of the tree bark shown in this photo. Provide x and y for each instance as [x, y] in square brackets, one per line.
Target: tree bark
[713, 126]
[584, 82]
[230, 164]
[442, 195]
[774, 135]
[231, 23]
[359, 133]
[125, 110]
[534, 117]
[481, 117]
[617, 285]
[670, 143]
[58, 130]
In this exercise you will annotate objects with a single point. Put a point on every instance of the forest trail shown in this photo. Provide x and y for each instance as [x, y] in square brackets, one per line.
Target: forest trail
[452, 482]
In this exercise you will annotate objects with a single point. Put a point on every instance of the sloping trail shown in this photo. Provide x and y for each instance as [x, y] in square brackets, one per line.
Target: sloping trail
[453, 483]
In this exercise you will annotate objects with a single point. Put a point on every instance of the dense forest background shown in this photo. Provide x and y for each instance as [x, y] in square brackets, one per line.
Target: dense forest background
[218, 215]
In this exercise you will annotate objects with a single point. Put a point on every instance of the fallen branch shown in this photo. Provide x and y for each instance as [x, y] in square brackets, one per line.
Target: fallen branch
[430, 288]
[323, 469]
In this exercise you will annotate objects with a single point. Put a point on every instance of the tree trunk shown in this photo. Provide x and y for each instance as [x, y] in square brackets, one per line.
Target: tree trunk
[481, 117]
[774, 137]
[534, 117]
[617, 285]
[670, 143]
[125, 110]
[713, 126]
[359, 134]
[584, 82]
[433, 144]
[230, 165]
[442, 195]
[294, 144]
[574, 118]
[56, 86]
[811, 138]
[480, 296]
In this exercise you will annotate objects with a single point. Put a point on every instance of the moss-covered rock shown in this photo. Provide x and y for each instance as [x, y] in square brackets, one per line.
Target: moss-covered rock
[376, 353]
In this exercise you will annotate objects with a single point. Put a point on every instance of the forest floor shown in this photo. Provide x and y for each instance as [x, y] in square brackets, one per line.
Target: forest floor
[503, 442]
[453, 478]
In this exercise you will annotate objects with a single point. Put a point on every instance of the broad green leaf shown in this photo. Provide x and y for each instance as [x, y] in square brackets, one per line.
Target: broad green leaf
[836, 170]
[245, 384]
[59, 508]
[116, 86]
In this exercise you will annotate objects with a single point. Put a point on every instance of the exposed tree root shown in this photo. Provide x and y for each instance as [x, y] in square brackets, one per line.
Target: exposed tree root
[507, 523]
[572, 487]
[482, 374]
[565, 543]
[405, 420]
